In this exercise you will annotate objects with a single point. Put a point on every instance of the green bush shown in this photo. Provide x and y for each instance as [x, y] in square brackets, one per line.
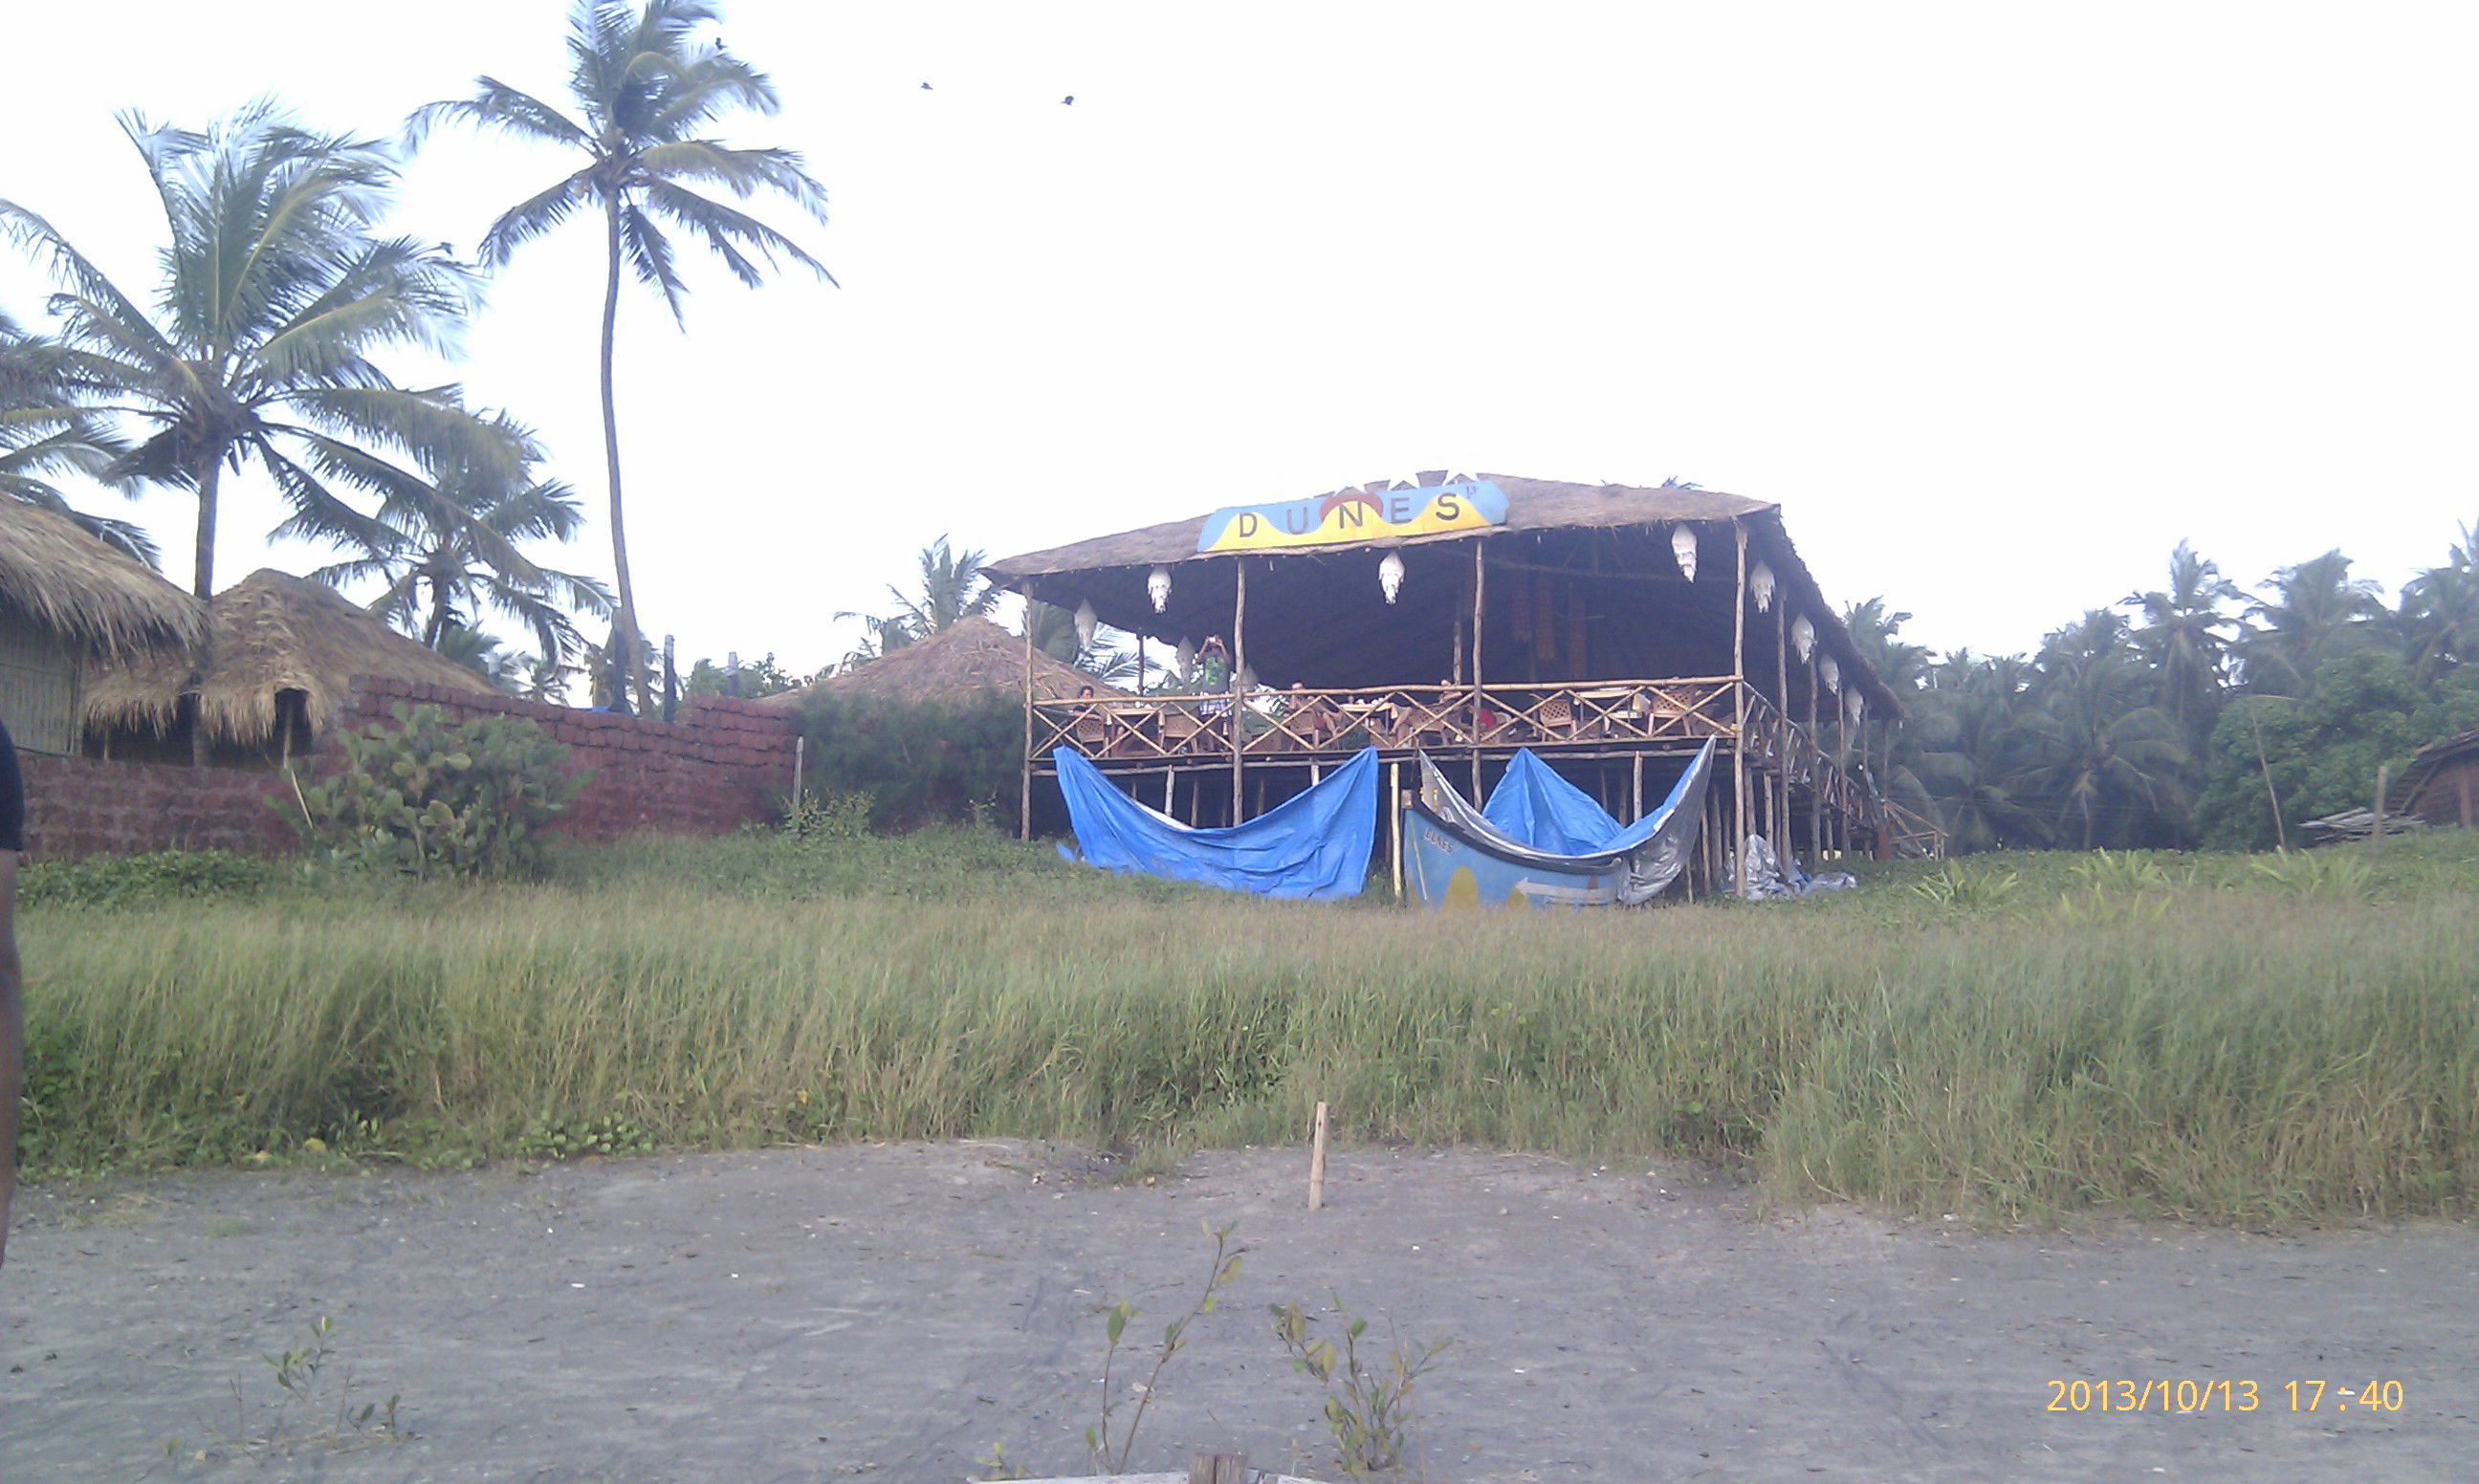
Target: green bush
[121, 881]
[433, 800]
[922, 762]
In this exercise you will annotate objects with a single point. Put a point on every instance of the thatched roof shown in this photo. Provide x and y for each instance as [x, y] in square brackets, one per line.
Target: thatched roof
[94, 600]
[273, 632]
[974, 655]
[1313, 613]
[1531, 505]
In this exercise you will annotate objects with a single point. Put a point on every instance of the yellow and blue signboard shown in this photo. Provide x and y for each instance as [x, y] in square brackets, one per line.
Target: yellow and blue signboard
[1355, 515]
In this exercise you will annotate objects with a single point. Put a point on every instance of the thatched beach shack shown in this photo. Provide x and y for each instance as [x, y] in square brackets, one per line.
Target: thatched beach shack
[970, 657]
[1612, 630]
[283, 654]
[68, 603]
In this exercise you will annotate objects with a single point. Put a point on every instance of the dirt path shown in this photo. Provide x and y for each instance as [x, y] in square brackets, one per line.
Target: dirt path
[888, 1312]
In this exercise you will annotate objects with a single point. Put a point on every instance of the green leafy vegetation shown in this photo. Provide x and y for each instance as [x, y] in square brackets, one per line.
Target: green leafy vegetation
[430, 798]
[1110, 1442]
[2253, 1050]
[1367, 1405]
[127, 881]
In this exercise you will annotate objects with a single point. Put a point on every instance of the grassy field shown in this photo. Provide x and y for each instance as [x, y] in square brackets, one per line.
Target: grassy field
[2219, 1038]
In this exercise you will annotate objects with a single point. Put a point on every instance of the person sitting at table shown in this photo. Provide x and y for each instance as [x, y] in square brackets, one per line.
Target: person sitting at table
[1091, 728]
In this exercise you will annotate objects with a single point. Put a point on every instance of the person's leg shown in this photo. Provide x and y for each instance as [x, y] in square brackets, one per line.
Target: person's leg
[12, 1042]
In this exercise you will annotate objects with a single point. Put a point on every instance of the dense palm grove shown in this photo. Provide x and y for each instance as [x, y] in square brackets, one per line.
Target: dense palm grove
[2175, 717]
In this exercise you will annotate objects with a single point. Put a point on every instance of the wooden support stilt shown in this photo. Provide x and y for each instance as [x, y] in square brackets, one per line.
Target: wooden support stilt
[1480, 606]
[1394, 822]
[1024, 812]
[1739, 704]
[1239, 668]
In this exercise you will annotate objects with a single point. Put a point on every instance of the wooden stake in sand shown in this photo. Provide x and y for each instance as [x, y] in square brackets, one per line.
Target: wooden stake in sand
[1217, 1469]
[1316, 1161]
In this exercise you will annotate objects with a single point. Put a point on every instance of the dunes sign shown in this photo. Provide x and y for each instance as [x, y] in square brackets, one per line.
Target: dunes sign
[1349, 516]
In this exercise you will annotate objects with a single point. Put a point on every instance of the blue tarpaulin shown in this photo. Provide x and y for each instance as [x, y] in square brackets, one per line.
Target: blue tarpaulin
[1314, 846]
[1532, 804]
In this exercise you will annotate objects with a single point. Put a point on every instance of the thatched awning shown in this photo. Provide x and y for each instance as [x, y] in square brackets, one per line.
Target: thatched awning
[974, 655]
[272, 632]
[95, 601]
[1314, 613]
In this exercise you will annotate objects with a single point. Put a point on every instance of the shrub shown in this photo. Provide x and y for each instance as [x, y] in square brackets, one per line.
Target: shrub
[922, 762]
[430, 798]
[160, 876]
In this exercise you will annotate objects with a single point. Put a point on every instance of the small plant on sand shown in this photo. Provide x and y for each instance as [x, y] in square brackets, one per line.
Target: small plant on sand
[299, 1417]
[996, 1465]
[565, 1139]
[1111, 1452]
[1368, 1409]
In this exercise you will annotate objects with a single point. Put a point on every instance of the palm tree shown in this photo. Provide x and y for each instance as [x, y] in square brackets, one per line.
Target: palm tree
[2108, 767]
[2311, 612]
[1053, 633]
[2184, 637]
[276, 294]
[45, 434]
[2439, 612]
[483, 655]
[642, 86]
[951, 590]
[449, 548]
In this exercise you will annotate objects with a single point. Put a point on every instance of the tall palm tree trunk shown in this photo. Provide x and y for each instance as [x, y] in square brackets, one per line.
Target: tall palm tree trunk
[202, 582]
[627, 628]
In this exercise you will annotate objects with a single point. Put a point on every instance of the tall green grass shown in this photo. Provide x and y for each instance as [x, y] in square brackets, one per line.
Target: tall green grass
[2221, 1048]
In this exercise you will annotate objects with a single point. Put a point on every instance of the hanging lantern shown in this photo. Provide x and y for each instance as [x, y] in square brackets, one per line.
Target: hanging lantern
[1390, 576]
[1829, 672]
[1158, 587]
[1086, 623]
[1857, 705]
[1682, 545]
[1186, 660]
[1802, 637]
[1761, 582]
[1246, 681]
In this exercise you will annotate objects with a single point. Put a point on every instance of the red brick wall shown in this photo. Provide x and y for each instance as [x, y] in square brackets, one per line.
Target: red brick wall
[79, 806]
[708, 774]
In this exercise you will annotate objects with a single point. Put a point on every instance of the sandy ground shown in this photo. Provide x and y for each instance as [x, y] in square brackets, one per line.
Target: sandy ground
[888, 1312]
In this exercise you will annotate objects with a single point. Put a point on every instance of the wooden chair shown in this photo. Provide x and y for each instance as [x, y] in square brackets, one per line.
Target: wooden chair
[1555, 717]
[1181, 728]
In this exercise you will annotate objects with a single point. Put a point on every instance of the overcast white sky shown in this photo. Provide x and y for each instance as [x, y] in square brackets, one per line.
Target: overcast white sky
[1999, 302]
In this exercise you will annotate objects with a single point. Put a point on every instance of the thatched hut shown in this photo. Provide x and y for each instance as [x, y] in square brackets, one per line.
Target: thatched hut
[284, 652]
[67, 602]
[971, 658]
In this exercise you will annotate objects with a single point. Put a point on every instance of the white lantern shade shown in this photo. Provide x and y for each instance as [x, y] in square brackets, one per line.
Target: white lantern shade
[1858, 704]
[1390, 574]
[1682, 545]
[1085, 624]
[1761, 582]
[1185, 660]
[1802, 637]
[1158, 587]
[1831, 672]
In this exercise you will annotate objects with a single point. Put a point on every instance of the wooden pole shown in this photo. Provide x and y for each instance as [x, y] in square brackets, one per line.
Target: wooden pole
[2376, 841]
[1239, 667]
[1140, 662]
[1739, 704]
[799, 758]
[1816, 777]
[1395, 824]
[1480, 584]
[1635, 791]
[1170, 786]
[1024, 823]
[1316, 1160]
[1782, 728]
[1217, 1469]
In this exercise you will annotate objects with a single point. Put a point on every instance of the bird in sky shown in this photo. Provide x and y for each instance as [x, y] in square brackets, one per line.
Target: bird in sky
[926, 88]
[1070, 99]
